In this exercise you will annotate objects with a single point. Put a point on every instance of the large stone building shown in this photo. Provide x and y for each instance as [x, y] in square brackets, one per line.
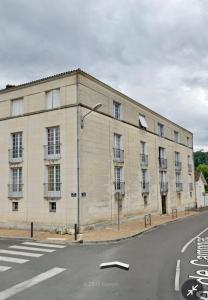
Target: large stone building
[61, 166]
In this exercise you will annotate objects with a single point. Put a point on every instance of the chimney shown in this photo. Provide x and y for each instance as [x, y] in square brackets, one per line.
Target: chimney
[9, 86]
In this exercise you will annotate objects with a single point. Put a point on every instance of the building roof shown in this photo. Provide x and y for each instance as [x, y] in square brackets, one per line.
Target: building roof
[199, 175]
[11, 87]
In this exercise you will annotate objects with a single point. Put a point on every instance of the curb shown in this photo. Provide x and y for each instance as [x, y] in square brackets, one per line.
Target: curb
[102, 242]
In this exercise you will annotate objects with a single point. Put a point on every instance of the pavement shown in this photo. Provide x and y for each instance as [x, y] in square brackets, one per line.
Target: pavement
[111, 233]
[34, 270]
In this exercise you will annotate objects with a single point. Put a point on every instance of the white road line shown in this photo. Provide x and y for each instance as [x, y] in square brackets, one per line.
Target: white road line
[177, 275]
[15, 289]
[4, 268]
[31, 248]
[43, 245]
[187, 244]
[29, 254]
[13, 259]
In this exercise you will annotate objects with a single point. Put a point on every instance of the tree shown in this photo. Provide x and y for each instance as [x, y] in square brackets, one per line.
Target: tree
[200, 157]
[204, 169]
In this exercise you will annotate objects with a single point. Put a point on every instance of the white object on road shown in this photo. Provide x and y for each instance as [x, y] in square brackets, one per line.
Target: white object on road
[13, 259]
[114, 264]
[32, 248]
[29, 254]
[15, 289]
[43, 245]
[4, 268]
[177, 276]
[187, 244]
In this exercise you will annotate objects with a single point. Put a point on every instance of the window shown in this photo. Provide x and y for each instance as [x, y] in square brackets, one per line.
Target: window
[160, 129]
[53, 98]
[16, 179]
[145, 200]
[143, 148]
[188, 141]
[142, 122]
[144, 179]
[15, 206]
[177, 157]
[176, 136]
[161, 152]
[52, 206]
[54, 178]
[178, 178]
[119, 184]
[117, 141]
[17, 145]
[17, 107]
[116, 110]
[53, 136]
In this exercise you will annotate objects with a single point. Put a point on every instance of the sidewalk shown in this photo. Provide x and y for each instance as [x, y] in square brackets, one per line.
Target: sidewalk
[109, 233]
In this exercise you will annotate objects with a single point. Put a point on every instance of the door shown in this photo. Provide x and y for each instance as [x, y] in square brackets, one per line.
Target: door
[163, 204]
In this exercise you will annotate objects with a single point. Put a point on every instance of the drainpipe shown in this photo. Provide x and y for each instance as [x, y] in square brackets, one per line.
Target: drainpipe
[78, 161]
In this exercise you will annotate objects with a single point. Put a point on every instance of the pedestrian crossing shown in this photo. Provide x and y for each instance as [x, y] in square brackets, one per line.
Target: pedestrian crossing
[31, 250]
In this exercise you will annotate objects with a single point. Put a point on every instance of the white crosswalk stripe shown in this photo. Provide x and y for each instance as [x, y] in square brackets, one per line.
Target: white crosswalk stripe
[29, 254]
[32, 248]
[13, 259]
[4, 268]
[44, 245]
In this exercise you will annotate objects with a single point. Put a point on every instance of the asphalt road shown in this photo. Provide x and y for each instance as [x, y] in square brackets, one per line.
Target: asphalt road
[73, 272]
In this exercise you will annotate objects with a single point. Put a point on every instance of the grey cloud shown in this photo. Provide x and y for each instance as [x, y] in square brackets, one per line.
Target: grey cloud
[153, 50]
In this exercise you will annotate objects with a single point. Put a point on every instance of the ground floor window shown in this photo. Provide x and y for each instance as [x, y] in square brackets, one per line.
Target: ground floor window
[15, 206]
[52, 206]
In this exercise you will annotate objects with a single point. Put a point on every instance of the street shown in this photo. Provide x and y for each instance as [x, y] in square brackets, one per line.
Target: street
[159, 263]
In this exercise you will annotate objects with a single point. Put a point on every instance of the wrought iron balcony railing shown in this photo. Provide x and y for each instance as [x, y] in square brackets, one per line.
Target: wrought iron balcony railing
[15, 190]
[144, 160]
[52, 190]
[119, 187]
[163, 187]
[52, 151]
[16, 155]
[163, 163]
[118, 155]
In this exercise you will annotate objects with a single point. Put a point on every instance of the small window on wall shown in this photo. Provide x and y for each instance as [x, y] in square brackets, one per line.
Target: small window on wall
[145, 197]
[116, 110]
[191, 194]
[143, 122]
[15, 206]
[53, 99]
[188, 141]
[176, 136]
[17, 107]
[52, 206]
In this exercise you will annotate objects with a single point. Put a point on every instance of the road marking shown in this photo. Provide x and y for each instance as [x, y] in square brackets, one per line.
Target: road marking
[13, 259]
[43, 245]
[4, 268]
[20, 253]
[177, 275]
[114, 264]
[32, 248]
[15, 289]
[187, 244]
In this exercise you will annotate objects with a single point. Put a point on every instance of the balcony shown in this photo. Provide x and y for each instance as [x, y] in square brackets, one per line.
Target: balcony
[15, 190]
[163, 187]
[52, 190]
[52, 152]
[15, 155]
[145, 187]
[191, 187]
[189, 168]
[144, 160]
[162, 163]
[118, 155]
[179, 187]
[119, 187]
[178, 165]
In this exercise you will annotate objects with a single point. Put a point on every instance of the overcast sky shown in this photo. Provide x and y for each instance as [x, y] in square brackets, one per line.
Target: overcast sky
[155, 51]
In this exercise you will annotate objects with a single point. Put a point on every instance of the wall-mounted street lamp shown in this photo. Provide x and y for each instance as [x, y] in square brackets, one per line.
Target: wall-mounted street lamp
[94, 108]
[80, 123]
